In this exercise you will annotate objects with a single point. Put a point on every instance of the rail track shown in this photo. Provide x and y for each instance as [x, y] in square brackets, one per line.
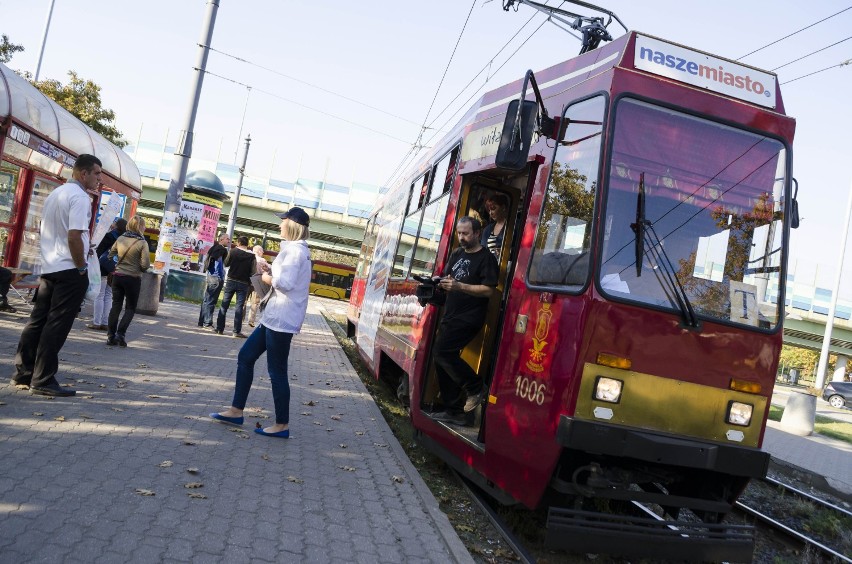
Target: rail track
[816, 546]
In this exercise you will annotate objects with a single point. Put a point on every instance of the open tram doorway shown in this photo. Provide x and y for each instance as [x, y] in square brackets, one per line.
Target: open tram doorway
[493, 198]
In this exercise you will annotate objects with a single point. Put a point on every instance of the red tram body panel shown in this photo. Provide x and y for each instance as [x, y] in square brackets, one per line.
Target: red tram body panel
[681, 315]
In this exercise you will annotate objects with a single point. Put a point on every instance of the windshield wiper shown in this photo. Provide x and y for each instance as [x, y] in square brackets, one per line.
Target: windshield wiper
[665, 271]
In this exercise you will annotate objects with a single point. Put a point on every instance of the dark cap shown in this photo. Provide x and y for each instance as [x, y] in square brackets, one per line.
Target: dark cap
[296, 214]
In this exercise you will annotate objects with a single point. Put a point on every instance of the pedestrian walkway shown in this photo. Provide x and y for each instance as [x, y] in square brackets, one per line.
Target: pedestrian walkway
[133, 470]
[822, 457]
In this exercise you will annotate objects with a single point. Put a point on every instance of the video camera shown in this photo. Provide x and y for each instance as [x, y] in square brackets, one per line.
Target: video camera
[428, 291]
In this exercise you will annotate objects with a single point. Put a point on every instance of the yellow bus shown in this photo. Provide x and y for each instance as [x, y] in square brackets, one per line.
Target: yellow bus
[330, 280]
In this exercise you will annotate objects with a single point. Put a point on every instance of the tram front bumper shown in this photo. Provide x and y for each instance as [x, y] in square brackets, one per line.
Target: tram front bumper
[657, 448]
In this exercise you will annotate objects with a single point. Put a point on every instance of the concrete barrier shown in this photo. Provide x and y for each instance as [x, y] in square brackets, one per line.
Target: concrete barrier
[799, 414]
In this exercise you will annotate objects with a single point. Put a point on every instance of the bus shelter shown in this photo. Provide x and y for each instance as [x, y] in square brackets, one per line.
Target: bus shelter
[39, 144]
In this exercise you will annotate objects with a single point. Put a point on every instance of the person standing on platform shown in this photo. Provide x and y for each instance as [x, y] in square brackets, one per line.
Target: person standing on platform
[103, 302]
[131, 249]
[64, 247]
[262, 267]
[214, 268]
[281, 318]
[5, 283]
[241, 265]
[470, 277]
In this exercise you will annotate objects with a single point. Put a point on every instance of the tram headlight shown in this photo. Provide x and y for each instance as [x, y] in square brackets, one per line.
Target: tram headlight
[608, 389]
[739, 413]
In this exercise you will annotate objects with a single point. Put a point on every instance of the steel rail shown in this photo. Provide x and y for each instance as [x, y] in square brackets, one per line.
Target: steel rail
[475, 493]
[808, 496]
[791, 532]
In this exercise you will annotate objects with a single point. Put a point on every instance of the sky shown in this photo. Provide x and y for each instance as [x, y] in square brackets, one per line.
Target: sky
[340, 89]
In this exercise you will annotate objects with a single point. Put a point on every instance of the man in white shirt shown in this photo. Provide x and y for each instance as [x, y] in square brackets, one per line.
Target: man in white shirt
[65, 221]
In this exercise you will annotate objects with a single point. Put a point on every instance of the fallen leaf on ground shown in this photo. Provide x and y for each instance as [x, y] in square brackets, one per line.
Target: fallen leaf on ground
[306, 413]
[193, 470]
[60, 418]
[342, 445]
[22, 386]
[347, 468]
[38, 413]
[117, 409]
[153, 396]
[84, 416]
[87, 397]
[310, 403]
[335, 417]
[193, 485]
[102, 385]
[398, 479]
[465, 528]
[317, 423]
[141, 365]
[294, 479]
[359, 433]
[188, 443]
[197, 495]
[264, 456]
[329, 430]
[380, 445]
[121, 385]
[165, 464]
[140, 491]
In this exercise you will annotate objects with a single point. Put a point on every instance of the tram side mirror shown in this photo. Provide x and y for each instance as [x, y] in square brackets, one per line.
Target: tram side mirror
[794, 207]
[515, 147]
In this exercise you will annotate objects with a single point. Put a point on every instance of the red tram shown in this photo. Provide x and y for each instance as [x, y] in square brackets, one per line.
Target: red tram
[631, 346]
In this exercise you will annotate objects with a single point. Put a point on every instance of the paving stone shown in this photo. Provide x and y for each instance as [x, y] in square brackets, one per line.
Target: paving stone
[80, 479]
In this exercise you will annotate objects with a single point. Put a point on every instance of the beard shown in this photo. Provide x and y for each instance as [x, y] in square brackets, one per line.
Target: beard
[467, 244]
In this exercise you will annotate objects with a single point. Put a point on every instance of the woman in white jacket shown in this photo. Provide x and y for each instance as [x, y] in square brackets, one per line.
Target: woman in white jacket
[280, 320]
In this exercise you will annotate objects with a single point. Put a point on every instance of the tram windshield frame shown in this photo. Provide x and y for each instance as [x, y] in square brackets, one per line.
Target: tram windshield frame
[712, 207]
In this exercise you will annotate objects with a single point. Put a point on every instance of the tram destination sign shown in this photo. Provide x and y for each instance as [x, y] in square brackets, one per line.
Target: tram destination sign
[705, 71]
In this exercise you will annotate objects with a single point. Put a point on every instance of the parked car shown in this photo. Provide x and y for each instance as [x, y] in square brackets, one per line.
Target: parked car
[838, 394]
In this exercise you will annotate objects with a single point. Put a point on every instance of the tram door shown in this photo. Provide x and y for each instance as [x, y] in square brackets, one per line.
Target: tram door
[493, 201]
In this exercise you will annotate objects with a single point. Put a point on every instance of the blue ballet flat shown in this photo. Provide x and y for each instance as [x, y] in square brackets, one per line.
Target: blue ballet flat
[228, 420]
[285, 434]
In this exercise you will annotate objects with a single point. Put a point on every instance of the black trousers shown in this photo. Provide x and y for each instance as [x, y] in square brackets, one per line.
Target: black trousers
[5, 282]
[57, 302]
[454, 374]
[123, 288]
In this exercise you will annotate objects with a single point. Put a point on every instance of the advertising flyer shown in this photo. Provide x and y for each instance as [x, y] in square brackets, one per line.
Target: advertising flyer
[194, 231]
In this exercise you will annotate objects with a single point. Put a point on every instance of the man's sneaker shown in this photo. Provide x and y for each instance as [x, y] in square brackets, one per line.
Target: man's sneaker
[4, 306]
[238, 335]
[453, 418]
[474, 401]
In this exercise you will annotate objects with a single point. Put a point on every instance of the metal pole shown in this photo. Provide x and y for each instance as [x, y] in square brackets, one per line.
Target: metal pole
[829, 324]
[44, 39]
[242, 123]
[183, 152]
[232, 217]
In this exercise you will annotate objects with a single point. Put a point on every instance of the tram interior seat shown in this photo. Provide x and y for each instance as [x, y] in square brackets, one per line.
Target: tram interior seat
[560, 268]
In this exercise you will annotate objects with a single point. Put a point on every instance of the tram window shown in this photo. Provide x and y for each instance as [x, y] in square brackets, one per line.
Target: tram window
[408, 236]
[367, 247]
[714, 205]
[443, 174]
[561, 253]
[421, 186]
[426, 248]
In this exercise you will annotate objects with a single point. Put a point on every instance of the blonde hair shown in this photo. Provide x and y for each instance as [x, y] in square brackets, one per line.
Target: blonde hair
[136, 224]
[295, 231]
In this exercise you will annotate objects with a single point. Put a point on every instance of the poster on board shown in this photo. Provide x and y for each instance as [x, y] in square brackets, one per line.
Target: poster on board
[194, 231]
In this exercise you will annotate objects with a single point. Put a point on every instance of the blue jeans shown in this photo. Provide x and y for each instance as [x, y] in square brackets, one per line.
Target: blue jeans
[232, 287]
[211, 296]
[276, 345]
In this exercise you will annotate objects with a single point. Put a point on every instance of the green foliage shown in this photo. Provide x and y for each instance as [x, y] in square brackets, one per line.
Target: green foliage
[82, 98]
[8, 49]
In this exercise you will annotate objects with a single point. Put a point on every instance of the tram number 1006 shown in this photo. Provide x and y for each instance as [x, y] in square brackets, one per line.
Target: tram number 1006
[529, 389]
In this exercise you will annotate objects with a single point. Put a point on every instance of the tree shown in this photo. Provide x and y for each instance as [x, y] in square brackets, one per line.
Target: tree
[83, 99]
[8, 49]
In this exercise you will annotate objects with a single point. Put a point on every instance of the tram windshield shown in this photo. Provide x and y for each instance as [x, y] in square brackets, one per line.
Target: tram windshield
[709, 199]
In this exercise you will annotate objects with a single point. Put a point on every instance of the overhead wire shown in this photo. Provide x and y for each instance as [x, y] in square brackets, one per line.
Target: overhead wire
[272, 94]
[794, 33]
[843, 64]
[300, 81]
[812, 53]
[476, 92]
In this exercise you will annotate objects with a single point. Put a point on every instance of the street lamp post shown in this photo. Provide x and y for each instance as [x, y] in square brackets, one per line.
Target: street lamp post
[232, 217]
[829, 324]
[162, 258]
[44, 40]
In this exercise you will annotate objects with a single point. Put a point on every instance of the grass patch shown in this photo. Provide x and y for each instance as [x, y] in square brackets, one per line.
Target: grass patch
[824, 426]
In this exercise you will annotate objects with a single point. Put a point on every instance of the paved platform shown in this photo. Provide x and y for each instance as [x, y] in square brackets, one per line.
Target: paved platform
[72, 469]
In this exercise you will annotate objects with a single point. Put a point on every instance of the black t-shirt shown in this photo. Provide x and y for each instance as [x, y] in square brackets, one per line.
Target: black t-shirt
[242, 265]
[479, 268]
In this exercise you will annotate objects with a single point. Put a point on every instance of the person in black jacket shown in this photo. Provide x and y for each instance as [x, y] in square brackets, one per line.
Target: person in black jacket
[241, 265]
[214, 269]
[103, 302]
